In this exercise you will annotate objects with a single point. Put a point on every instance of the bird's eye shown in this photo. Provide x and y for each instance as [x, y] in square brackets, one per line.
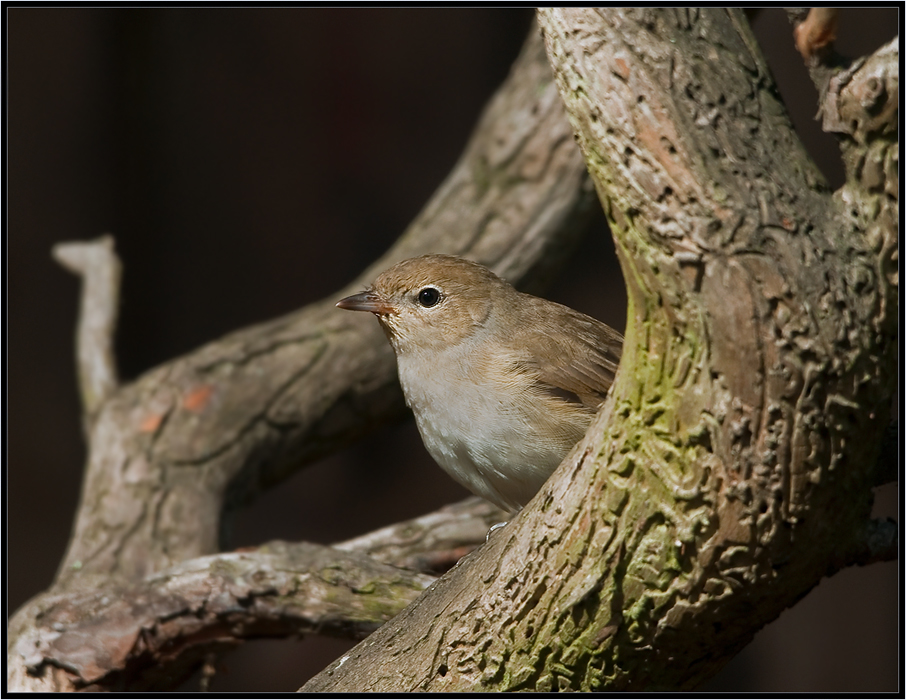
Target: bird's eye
[428, 297]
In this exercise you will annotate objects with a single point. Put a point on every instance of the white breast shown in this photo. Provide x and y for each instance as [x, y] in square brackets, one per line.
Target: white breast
[479, 434]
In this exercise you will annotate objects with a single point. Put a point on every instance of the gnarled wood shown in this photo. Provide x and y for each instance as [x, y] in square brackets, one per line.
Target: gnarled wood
[752, 391]
[209, 430]
[151, 634]
[190, 440]
[730, 469]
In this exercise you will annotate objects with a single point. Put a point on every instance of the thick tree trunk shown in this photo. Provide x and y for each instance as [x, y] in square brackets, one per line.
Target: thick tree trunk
[729, 470]
[731, 467]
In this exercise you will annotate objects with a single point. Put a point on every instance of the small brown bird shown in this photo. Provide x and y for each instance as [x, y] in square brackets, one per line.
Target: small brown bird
[502, 384]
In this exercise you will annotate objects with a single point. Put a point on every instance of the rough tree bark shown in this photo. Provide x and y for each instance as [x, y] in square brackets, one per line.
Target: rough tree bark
[191, 440]
[750, 402]
[752, 394]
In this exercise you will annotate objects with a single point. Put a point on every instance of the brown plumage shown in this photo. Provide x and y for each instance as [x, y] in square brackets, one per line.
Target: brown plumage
[502, 383]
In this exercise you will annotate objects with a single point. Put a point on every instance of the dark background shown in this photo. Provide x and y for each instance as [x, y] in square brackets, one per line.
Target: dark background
[252, 161]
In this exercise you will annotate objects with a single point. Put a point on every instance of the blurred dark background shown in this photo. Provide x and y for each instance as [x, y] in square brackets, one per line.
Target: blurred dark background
[250, 161]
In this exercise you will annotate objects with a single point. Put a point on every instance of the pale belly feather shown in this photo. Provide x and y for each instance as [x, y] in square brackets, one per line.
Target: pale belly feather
[486, 443]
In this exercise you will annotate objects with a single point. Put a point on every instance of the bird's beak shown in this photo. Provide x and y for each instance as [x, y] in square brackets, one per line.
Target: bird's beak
[366, 301]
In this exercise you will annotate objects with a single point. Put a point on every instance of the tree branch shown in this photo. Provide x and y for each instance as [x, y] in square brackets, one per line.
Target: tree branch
[99, 267]
[762, 314]
[193, 439]
[862, 100]
[859, 104]
[208, 431]
[149, 635]
[434, 542]
[694, 511]
[816, 32]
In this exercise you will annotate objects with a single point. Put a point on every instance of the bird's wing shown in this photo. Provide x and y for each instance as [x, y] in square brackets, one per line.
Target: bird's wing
[577, 366]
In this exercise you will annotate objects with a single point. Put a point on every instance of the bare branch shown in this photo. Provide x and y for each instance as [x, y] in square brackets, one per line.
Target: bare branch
[209, 430]
[433, 542]
[862, 101]
[817, 32]
[96, 262]
[695, 509]
[194, 437]
[144, 636]
[692, 501]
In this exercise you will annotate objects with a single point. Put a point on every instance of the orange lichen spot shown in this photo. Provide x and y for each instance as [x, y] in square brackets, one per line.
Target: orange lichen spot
[197, 398]
[622, 68]
[151, 423]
